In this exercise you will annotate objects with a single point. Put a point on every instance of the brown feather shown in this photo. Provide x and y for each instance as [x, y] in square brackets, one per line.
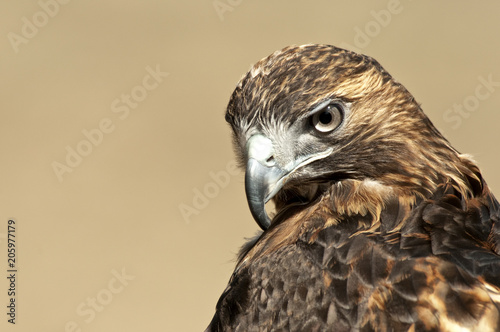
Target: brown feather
[395, 231]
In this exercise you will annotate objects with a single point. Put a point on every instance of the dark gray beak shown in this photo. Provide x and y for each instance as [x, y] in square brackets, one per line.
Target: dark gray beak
[261, 184]
[264, 177]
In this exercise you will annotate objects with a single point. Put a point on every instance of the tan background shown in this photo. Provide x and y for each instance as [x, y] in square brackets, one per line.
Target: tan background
[120, 208]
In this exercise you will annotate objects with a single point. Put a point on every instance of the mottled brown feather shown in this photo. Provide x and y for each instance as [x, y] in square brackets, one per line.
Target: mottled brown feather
[400, 233]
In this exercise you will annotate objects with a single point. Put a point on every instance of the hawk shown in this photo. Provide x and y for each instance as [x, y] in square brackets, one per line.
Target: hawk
[379, 225]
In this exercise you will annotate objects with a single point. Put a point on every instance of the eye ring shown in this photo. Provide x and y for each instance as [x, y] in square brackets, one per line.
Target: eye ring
[327, 118]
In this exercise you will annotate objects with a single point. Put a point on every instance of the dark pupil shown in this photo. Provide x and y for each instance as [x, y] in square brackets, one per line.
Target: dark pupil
[325, 117]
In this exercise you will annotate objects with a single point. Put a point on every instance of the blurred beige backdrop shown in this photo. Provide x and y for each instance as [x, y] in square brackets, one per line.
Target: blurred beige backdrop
[116, 160]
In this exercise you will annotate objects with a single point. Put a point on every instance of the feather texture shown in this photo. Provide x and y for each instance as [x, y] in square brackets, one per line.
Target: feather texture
[397, 231]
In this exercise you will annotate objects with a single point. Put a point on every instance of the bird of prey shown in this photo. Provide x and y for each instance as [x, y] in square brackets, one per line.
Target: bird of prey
[379, 225]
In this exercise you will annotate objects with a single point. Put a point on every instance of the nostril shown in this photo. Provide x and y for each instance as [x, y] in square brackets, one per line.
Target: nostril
[270, 160]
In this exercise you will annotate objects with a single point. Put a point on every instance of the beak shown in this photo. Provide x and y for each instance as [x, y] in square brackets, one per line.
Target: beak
[264, 178]
[261, 184]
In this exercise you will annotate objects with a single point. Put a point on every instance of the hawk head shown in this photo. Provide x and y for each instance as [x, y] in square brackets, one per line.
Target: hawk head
[316, 119]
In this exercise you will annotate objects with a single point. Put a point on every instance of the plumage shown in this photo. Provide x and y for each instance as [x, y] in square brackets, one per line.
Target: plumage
[380, 224]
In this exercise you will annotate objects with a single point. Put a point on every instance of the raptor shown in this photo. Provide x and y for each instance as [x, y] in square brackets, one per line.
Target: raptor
[379, 224]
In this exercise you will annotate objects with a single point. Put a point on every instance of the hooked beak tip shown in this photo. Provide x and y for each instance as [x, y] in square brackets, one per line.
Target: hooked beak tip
[261, 184]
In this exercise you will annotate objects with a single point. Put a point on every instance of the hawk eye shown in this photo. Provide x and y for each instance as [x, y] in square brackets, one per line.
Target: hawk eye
[327, 118]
